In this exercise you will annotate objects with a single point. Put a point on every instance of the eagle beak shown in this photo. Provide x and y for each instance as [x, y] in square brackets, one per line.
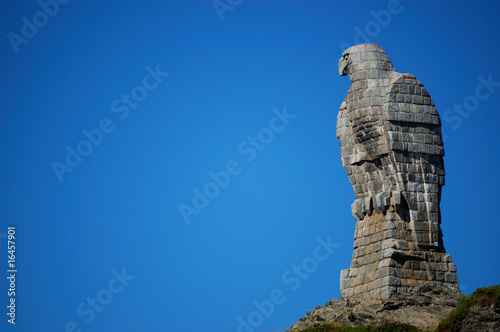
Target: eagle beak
[343, 67]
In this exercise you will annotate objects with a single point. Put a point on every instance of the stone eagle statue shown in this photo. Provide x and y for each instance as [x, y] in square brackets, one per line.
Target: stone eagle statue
[391, 144]
[392, 149]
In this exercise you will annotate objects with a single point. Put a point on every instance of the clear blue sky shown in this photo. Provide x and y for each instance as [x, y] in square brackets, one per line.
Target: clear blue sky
[118, 208]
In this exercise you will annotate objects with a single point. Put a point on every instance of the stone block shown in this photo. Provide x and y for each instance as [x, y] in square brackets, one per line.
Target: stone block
[357, 209]
[408, 273]
[344, 274]
[383, 272]
[402, 245]
[344, 283]
[388, 244]
[396, 199]
[443, 267]
[415, 265]
[389, 253]
[420, 275]
[368, 205]
[386, 262]
[450, 277]
[390, 234]
[387, 291]
[389, 225]
[383, 201]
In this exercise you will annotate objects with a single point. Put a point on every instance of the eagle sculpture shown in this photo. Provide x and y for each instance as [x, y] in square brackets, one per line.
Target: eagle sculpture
[391, 145]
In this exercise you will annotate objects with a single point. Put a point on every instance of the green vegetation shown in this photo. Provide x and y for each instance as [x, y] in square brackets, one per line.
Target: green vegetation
[482, 297]
[366, 328]
[487, 296]
[453, 320]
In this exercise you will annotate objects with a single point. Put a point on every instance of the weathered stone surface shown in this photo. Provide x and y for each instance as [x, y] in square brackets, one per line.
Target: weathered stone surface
[392, 150]
[423, 308]
[484, 319]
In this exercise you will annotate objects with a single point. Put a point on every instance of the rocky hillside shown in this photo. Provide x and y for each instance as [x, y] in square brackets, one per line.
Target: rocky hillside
[428, 308]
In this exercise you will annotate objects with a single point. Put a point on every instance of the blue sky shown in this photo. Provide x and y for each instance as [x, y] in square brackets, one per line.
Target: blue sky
[170, 92]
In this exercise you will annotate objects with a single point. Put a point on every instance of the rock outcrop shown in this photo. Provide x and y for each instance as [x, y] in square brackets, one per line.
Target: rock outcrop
[484, 319]
[424, 307]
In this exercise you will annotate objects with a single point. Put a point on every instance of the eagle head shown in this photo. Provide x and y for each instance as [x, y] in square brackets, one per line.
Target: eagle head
[343, 64]
[357, 61]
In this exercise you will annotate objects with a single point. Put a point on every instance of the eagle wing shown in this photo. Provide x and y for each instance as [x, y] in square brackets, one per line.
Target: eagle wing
[413, 135]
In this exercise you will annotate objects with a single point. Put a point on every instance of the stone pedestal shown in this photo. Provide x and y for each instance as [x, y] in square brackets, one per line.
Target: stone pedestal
[386, 260]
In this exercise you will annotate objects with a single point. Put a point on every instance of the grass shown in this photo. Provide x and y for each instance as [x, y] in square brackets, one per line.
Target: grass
[482, 297]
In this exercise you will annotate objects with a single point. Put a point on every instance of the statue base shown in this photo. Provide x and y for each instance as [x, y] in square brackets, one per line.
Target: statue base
[386, 261]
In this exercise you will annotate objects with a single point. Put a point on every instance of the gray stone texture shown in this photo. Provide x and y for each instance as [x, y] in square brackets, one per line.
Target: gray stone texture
[392, 150]
[423, 308]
